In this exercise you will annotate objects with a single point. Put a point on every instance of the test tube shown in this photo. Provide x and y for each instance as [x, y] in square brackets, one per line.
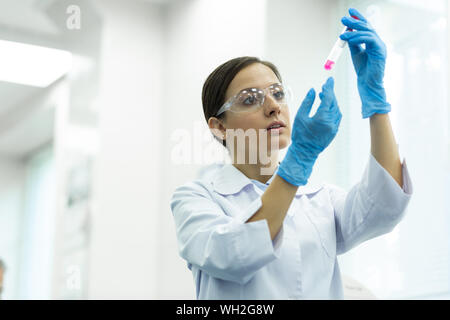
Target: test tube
[336, 51]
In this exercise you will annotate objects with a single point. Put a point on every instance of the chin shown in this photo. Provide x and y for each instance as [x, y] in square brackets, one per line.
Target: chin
[283, 143]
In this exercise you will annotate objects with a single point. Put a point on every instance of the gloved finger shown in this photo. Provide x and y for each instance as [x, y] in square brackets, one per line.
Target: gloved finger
[327, 90]
[337, 112]
[349, 35]
[338, 119]
[359, 37]
[327, 94]
[359, 25]
[329, 84]
[354, 12]
[363, 39]
[334, 106]
[334, 113]
[305, 107]
[355, 49]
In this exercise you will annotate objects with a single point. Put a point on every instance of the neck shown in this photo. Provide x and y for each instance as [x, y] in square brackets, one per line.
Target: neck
[259, 171]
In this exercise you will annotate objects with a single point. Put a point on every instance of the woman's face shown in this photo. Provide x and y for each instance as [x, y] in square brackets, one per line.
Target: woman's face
[258, 75]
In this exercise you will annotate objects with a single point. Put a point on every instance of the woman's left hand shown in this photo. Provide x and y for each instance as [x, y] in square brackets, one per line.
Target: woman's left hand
[369, 63]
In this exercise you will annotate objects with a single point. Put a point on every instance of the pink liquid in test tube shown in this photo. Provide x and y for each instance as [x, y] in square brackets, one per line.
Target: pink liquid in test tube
[336, 51]
[329, 64]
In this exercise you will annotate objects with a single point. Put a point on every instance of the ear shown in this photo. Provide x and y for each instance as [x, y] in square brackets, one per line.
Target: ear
[217, 128]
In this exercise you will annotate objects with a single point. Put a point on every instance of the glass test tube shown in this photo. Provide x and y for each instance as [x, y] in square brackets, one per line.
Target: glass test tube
[336, 51]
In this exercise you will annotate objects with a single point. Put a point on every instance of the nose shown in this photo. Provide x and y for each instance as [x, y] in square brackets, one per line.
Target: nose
[271, 106]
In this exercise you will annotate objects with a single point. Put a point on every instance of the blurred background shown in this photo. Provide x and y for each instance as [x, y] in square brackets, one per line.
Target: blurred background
[98, 96]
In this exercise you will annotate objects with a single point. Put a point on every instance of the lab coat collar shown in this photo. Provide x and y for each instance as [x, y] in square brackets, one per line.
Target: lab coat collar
[229, 180]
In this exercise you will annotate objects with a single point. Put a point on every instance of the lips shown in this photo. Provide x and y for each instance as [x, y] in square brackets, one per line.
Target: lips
[275, 125]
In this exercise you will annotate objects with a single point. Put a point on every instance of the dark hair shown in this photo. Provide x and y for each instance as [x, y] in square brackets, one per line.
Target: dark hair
[216, 85]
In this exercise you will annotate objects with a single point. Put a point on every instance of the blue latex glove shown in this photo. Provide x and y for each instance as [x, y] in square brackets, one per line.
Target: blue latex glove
[369, 63]
[310, 136]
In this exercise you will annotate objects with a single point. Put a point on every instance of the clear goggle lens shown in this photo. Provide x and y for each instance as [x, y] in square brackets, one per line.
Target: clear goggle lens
[252, 99]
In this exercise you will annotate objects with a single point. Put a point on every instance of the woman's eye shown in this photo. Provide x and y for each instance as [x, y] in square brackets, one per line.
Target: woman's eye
[250, 100]
[279, 95]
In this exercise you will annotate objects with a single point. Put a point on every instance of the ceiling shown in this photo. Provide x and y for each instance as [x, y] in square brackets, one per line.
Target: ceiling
[19, 17]
[27, 15]
[11, 94]
[23, 21]
[34, 129]
[24, 16]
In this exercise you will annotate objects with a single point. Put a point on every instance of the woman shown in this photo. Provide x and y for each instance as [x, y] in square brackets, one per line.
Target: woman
[254, 230]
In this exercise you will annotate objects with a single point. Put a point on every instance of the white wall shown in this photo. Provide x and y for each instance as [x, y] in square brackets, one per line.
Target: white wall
[37, 233]
[12, 174]
[27, 195]
[126, 187]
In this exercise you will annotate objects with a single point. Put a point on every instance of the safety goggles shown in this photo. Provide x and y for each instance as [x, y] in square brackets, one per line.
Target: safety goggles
[251, 99]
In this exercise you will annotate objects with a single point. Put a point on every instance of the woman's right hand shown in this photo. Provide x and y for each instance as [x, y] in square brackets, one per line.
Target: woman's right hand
[310, 136]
